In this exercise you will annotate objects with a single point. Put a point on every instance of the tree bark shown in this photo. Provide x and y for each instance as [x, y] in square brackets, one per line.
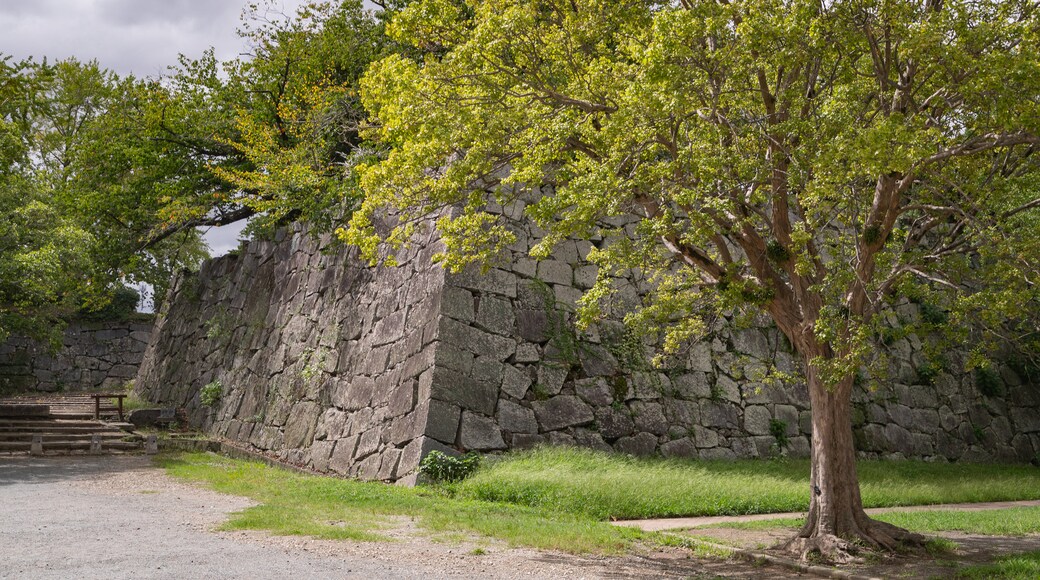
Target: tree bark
[837, 528]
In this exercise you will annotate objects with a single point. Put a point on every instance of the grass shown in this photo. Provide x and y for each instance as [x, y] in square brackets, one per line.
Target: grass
[604, 487]
[999, 522]
[132, 402]
[331, 508]
[562, 498]
[1024, 566]
[940, 547]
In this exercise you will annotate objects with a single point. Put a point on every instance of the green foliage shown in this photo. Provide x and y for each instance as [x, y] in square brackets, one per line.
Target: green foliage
[46, 270]
[988, 382]
[562, 335]
[778, 429]
[295, 111]
[210, 393]
[933, 314]
[1000, 522]
[928, 372]
[685, 137]
[777, 252]
[442, 468]
[626, 345]
[122, 306]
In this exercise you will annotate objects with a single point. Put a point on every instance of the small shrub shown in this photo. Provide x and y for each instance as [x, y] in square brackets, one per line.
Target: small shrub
[444, 468]
[618, 388]
[210, 393]
[933, 314]
[988, 382]
[778, 429]
[927, 372]
[777, 252]
[715, 393]
[121, 306]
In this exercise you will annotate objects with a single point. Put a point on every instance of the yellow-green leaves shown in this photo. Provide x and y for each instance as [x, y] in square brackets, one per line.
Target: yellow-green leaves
[693, 139]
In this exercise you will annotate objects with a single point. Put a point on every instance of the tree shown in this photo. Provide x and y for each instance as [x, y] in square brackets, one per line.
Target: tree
[141, 164]
[809, 160]
[297, 110]
[44, 257]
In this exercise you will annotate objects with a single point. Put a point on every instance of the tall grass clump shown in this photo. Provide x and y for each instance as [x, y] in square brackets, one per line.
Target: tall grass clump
[610, 486]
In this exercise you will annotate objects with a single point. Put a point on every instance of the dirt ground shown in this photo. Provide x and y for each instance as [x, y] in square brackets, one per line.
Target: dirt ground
[120, 517]
[971, 549]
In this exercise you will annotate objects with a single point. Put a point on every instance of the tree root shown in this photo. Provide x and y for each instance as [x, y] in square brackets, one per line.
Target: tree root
[822, 548]
[875, 536]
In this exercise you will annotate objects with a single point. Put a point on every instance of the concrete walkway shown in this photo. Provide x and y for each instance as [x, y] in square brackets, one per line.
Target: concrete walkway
[658, 525]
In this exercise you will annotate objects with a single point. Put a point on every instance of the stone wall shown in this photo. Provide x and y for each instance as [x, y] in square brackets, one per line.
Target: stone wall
[360, 371]
[317, 360]
[522, 376]
[93, 356]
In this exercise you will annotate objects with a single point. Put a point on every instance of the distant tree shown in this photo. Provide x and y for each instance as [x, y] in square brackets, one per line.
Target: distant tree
[268, 137]
[45, 268]
[809, 160]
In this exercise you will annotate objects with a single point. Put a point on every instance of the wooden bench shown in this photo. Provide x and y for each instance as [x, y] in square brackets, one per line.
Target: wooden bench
[119, 403]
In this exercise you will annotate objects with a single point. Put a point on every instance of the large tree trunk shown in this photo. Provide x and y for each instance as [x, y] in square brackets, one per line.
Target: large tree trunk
[837, 527]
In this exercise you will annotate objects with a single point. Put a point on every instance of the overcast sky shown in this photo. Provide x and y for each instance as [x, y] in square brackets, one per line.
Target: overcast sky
[140, 37]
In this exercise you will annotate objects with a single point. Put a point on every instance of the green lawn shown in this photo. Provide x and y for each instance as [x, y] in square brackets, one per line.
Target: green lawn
[563, 498]
[1017, 567]
[332, 508]
[605, 486]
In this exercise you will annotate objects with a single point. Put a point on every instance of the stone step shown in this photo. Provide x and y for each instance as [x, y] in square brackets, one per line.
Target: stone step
[33, 424]
[66, 445]
[24, 410]
[52, 436]
[59, 428]
[81, 415]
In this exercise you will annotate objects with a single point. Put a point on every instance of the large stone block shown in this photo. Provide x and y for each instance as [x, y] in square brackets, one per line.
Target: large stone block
[300, 431]
[480, 433]
[475, 340]
[614, 423]
[496, 315]
[516, 381]
[343, 454]
[562, 411]
[719, 414]
[756, 420]
[649, 417]
[550, 378]
[458, 304]
[494, 280]
[594, 391]
[596, 361]
[640, 445]
[464, 390]
[679, 448]
[533, 325]
[442, 421]
[1026, 420]
[516, 418]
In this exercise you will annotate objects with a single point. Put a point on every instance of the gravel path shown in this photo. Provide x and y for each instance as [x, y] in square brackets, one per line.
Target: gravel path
[119, 517]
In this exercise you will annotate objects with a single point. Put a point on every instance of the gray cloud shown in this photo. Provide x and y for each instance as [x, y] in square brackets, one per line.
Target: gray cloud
[142, 37]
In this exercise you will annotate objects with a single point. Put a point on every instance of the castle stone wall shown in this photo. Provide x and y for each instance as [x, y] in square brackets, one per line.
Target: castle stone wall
[342, 368]
[93, 356]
